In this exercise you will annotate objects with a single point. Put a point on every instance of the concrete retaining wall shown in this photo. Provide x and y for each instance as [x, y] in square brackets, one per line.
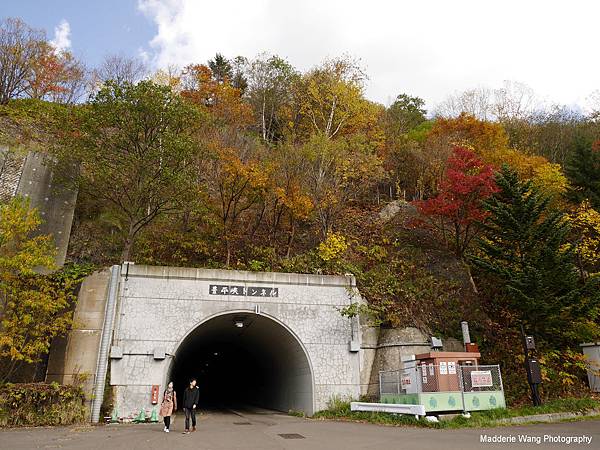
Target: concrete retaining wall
[76, 355]
[24, 174]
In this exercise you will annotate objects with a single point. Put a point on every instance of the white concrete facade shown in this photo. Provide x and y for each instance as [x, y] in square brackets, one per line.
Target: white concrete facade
[158, 307]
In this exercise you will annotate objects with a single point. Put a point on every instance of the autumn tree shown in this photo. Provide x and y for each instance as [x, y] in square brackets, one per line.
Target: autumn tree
[490, 142]
[331, 102]
[457, 211]
[222, 101]
[289, 193]
[232, 171]
[585, 234]
[131, 149]
[338, 171]
[20, 48]
[19, 252]
[31, 67]
[404, 156]
[552, 132]
[236, 182]
[57, 76]
[524, 245]
[169, 76]
[30, 312]
[467, 130]
[270, 81]
[546, 176]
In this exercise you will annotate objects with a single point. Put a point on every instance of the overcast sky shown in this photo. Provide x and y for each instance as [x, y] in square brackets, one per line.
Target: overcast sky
[427, 48]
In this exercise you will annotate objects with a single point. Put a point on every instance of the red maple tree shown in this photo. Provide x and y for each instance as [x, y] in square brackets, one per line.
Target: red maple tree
[457, 212]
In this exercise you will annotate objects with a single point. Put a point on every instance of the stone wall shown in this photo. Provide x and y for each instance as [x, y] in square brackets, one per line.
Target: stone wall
[394, 344]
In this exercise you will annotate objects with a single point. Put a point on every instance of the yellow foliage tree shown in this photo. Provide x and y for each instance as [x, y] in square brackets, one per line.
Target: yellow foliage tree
[332, 247]
[33, 308]
[329, 101]
[585, 223]
[546, 176]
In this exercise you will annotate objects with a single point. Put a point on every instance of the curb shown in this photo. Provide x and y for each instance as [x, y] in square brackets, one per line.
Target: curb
[547, 418]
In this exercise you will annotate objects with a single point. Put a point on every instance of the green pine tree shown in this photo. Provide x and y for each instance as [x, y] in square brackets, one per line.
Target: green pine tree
[525, 247]
[583, 170]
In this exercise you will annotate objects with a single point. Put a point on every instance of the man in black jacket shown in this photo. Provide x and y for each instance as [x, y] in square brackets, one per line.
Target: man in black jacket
[191, 395]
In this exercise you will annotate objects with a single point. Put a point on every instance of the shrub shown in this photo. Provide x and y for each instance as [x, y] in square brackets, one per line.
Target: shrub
[41, 404]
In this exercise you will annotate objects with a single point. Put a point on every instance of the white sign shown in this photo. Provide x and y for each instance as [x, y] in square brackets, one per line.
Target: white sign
[481, 378]
[424, 369]
[424, 380]
[452, 368]
[406, 381]
[443, 368]
[431, 369]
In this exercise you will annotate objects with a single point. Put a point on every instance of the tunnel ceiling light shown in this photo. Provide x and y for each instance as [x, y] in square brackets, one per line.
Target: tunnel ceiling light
[216, 353]
[239, 323]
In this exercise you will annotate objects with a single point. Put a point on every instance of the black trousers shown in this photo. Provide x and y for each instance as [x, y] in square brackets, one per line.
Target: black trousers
[167, 420]
[189, 412]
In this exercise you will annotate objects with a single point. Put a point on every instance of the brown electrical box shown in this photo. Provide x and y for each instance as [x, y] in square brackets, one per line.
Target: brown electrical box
[439, 370]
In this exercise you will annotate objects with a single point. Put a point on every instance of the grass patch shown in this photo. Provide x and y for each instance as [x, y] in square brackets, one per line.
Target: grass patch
[340, 410]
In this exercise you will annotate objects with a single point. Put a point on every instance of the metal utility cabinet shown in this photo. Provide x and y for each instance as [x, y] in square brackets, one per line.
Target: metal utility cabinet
[592, 351]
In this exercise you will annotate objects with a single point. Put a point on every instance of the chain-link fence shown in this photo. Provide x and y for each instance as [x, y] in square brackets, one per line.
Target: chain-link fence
[443, 377]
[389, 382]
[481, 378]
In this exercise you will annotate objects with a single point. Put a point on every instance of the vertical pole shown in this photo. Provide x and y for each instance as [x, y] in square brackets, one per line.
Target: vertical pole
[535, 396]
[462, 386]
[500, 377]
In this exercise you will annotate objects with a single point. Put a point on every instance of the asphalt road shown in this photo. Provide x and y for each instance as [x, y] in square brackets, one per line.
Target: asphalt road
[267, 430]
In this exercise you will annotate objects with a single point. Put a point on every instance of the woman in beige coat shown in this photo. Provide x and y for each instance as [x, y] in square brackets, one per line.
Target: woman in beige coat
[168, 405]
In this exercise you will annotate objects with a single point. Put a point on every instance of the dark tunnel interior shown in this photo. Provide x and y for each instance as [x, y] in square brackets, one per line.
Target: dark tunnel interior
[244, 359]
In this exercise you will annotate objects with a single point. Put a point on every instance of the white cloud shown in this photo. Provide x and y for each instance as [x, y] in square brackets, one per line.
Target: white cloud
[430, 49]
[62, 36]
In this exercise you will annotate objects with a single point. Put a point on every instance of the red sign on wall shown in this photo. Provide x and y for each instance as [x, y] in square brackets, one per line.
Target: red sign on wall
[155, 394]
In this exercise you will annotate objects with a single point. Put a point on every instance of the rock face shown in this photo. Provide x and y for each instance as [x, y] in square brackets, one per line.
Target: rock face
[26, 175]
[395, 208]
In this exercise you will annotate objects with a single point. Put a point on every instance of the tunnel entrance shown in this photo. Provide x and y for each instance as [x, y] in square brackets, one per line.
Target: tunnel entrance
[244, 359]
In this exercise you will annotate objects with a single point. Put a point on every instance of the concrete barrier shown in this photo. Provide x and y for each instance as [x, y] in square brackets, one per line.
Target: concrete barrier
[415, 410]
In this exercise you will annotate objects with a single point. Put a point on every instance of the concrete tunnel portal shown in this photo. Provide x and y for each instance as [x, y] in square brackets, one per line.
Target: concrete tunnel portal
[243, 358]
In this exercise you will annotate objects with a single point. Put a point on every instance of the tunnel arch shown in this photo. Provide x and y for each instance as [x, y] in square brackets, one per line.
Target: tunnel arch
[261, 362]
